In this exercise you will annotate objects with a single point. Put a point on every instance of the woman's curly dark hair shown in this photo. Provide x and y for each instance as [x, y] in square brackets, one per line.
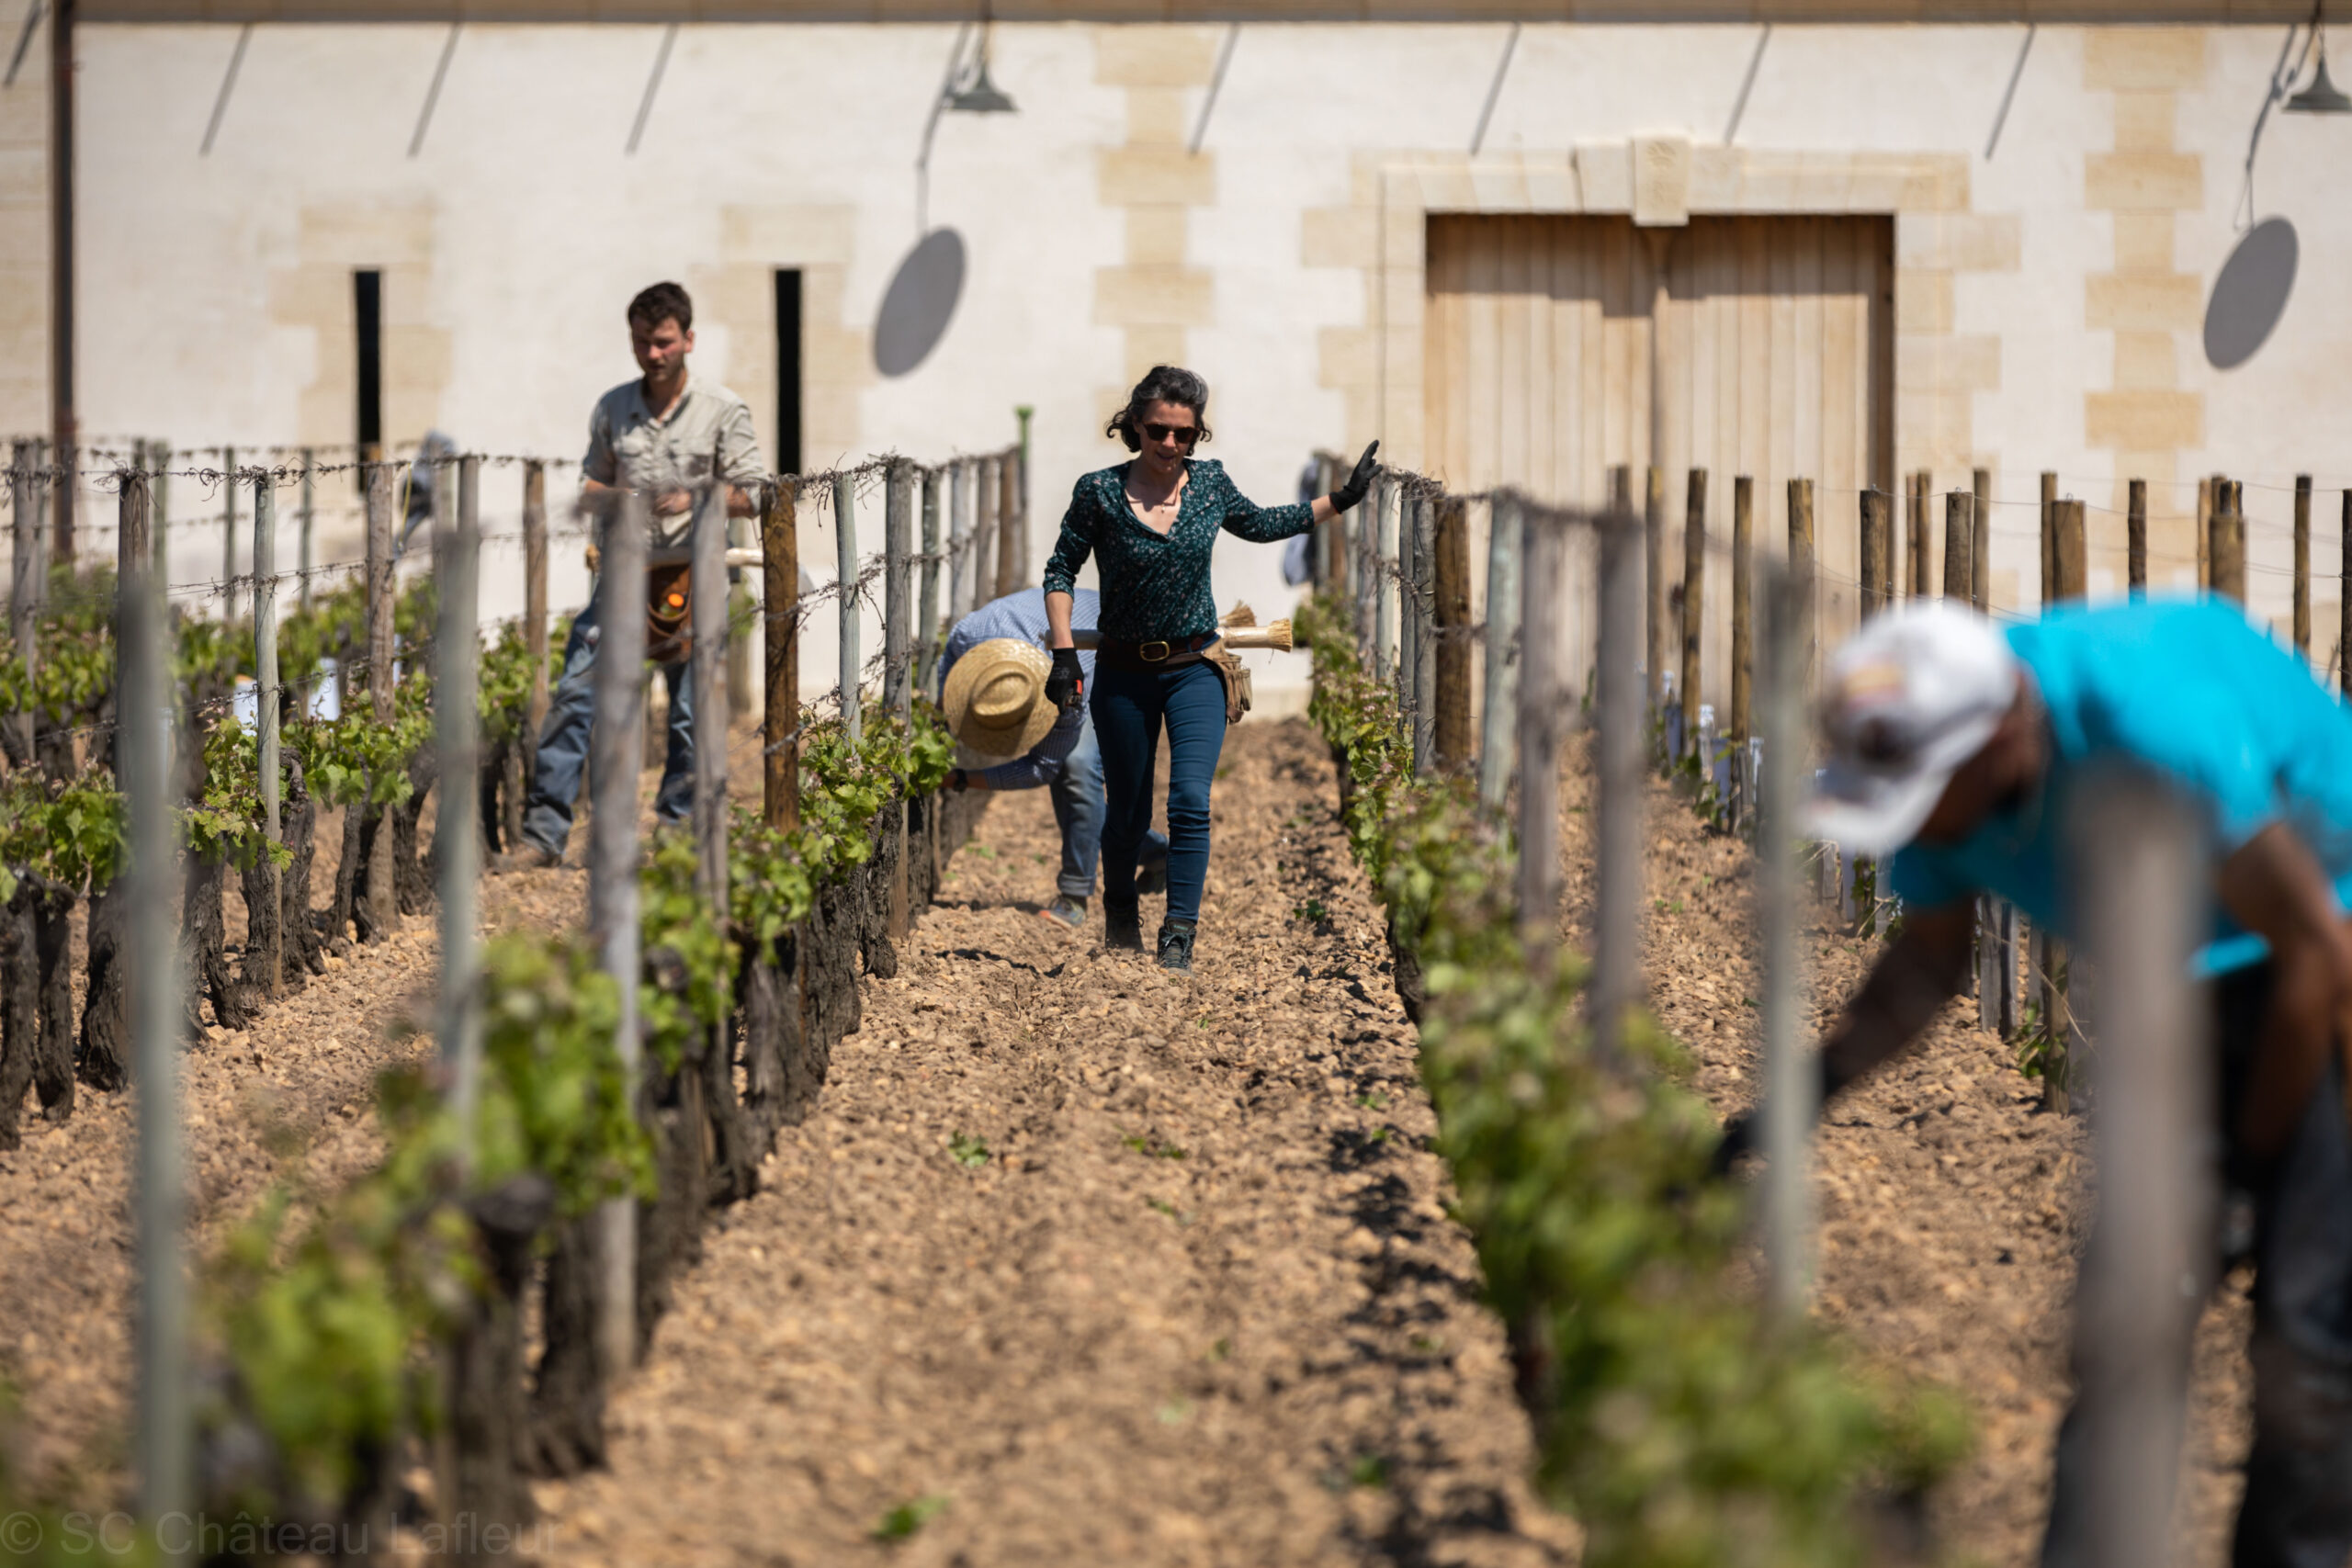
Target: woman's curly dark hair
[1166, 384]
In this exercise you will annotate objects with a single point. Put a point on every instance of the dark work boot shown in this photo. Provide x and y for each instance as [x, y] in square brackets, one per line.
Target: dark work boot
[1122, 925]
[1176, 945]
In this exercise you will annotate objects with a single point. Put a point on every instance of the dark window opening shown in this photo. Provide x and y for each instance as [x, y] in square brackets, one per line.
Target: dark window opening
[787, 371]
[368, 302]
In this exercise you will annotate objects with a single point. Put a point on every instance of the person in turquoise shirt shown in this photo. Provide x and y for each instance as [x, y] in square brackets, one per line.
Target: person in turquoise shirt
[1149, 526]
[1962, 749]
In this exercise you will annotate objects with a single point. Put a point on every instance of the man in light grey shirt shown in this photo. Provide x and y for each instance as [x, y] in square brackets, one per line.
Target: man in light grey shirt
[663, 435]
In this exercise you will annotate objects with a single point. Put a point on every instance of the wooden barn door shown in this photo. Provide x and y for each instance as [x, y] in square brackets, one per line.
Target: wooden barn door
[1559, 346]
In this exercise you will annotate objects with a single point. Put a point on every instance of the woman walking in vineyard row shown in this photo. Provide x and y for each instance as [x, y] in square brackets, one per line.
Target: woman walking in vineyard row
[1151, 524]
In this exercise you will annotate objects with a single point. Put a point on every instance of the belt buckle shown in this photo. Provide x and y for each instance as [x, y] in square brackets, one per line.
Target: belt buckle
[1143, 653]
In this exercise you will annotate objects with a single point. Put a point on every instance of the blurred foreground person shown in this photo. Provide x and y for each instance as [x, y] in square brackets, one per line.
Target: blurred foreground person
[1010, 735]
[1959, 747]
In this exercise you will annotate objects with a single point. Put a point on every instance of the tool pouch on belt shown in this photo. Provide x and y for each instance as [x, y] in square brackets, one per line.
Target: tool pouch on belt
[669, 614]
[1235, 676]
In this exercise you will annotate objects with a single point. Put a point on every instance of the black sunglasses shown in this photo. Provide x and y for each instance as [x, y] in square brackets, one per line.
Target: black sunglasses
[1185, 435]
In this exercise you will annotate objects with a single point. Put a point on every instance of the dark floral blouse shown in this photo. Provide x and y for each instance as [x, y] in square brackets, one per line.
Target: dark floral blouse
[1158, 587]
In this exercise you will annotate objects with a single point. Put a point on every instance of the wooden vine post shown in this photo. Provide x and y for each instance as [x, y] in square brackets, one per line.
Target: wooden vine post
[2227, 555]
[1422, 620]
[228, 534]
[306, 518]
[1654, 583]
[1625, 622]
[711, 613]
[1801, 572]
[1980, 543]
[780, 606]
[2205, 534]
[984, 531]
[1385, 587]
[1500, 684]
[2049, 539]
[24, 582]
[898, 651]
[616, 744]
[159, 512]
[1694, 608]
[268, 927]
[2135, 539]
[380, 589]
[845, 566]
[165, 1427]
[1920, 485]
[1743, 649]
[457, 724]
[2069, 563]
[1450, 582]
[2344, 603]
[1011, 568]
[929, 642]
[2303, 565]
[535, 609]
[1870, 590]
[1791, 1080]
[1543, 704]
[1958, 547]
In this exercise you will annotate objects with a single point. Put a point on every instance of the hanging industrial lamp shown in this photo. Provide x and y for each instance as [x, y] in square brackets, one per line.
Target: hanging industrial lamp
[2322, 96]
[977, 94]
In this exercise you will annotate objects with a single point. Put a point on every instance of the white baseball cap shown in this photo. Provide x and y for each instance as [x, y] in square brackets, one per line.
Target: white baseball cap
[1907, 701]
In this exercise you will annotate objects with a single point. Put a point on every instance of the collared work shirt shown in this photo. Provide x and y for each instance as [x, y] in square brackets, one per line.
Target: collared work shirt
[629, 447]
[2189, 689]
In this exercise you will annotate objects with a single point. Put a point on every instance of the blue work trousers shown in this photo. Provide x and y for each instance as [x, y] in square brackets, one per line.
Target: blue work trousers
[563, 740]
[1129, 708]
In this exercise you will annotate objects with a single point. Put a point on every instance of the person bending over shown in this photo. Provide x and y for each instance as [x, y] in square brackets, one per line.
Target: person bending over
[1963, 750]
[1150, 525]
[999, 700]
[657, 434]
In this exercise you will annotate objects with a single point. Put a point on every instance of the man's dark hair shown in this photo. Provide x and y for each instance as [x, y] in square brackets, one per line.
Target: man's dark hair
[1166, 384]
[662, 302]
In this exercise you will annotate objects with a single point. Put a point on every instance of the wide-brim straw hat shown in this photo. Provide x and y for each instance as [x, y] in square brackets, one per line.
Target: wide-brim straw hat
[996, 700]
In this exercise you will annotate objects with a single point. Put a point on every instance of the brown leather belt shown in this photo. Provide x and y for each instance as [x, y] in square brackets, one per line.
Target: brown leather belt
[1168, 654]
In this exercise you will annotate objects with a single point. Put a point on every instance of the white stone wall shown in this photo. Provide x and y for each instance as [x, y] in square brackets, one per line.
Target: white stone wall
[215, 288]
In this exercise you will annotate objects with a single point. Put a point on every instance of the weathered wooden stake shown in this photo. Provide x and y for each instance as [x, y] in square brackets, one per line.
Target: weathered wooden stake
[25, 566]
[845, 565]
[780, 609]
[1743, 645]
[457, 724]
[616, 744]
[2135, 539]
[1450, 595]
[534, 605]
[381, 590]
[1791, 1083]
[1623, 707]
[1654, 583]
[986, 532]
[2205, 535]
[265, 711]
[166, 1435]
[1424, 626]
[2070, 550]
[1960, 532]
[2049, 539]
[1871, 593]
[1921, 529]
[2343, 604]
[1011, 567]
[928, 630]
[1802, 572]
[2227, 555]
[1980, 543]
[159, 492]
[1543, 711]
[2141, 869]
[897, 586]
[1385, 586]
[304, 517]
[229, 534]
[1501, 684]
[710, 618]
[2303, 565]
[1694, 605]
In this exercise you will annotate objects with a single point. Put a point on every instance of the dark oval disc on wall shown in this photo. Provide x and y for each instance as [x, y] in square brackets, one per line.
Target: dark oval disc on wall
[2251, 293]
[921, 300]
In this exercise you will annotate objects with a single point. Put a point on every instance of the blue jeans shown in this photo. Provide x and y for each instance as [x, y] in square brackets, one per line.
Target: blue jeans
[1129, 709]
[1076, 794]
[563, 741]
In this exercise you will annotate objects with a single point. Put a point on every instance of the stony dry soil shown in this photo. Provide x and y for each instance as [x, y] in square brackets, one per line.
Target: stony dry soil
[1198, 1302]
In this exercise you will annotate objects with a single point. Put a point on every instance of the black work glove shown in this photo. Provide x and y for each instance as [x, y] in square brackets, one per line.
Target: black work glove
[1347, 494]
[1068, 682]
